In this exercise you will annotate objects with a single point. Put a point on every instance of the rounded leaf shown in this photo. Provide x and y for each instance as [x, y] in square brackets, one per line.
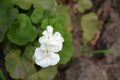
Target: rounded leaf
[29, 52]
[37, 15]
[22, 31]
[44, 74]
[64, 11]
[17, 66]
[24, 4]
[7, 16]
[66, 53]
[47, 4]
[89, 24]
[54, 23]
[84, 5]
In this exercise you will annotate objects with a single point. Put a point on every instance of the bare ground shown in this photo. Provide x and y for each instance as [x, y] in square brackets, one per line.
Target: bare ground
[101, 66]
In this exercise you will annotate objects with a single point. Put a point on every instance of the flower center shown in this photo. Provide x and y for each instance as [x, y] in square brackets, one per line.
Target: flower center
[47, 53]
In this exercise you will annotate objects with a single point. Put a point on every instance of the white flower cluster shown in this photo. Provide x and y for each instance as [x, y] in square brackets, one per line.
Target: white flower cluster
[46, 55]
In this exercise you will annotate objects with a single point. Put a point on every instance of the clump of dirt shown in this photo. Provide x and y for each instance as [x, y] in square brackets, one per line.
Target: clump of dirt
[83, 69]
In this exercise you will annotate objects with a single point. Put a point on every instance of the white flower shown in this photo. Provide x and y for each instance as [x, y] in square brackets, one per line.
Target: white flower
[46, 55]
[53, 42]
[44, 58]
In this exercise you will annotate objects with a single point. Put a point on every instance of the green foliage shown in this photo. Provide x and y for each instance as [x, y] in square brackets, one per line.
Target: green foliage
[2, 77]
[22, 35]
[84, 5]
[22, 31]
[66, 53]
[63, 10]
[7, 16]
[37, 15]
[44, 74]
[97, 51]
[24, 4]
[18, 66]
[53, 22]
[46, 4]
[45, 22]
[49, 14]
[67, 50]
[89, 24]
[29, 52]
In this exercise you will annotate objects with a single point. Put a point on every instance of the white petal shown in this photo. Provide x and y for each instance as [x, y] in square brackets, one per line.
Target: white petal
[43, 39]
[58, 47]
[45, 33]
[58, 37]
[57, 34]
[43, 47]
[54, 48]
[50, 30]
[39, 54]
[54, 58]
[52, 42]
[43, 63]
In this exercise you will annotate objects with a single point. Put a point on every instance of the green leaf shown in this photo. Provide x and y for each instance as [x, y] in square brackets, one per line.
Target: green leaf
[67, 36]
[47, 4]
[29, 52]
[89, 24]
[97, 51]
[58, 27]
[49, 14]
[17, 66]
[7, 16]
[66, 53]
[2, 77]
[44, 74]
[26, 4]
[84, 5]
[63, 10]
[48, 73]
[37, 15]
[23, 4]
[45, 23]
[55, 20]
[22, 31]
[54, 23]
[62, 20]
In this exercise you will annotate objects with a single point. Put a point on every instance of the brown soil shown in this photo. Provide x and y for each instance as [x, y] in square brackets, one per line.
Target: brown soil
[101, 66]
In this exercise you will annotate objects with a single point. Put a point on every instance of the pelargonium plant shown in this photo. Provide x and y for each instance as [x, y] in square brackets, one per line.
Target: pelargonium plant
[34, 39]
